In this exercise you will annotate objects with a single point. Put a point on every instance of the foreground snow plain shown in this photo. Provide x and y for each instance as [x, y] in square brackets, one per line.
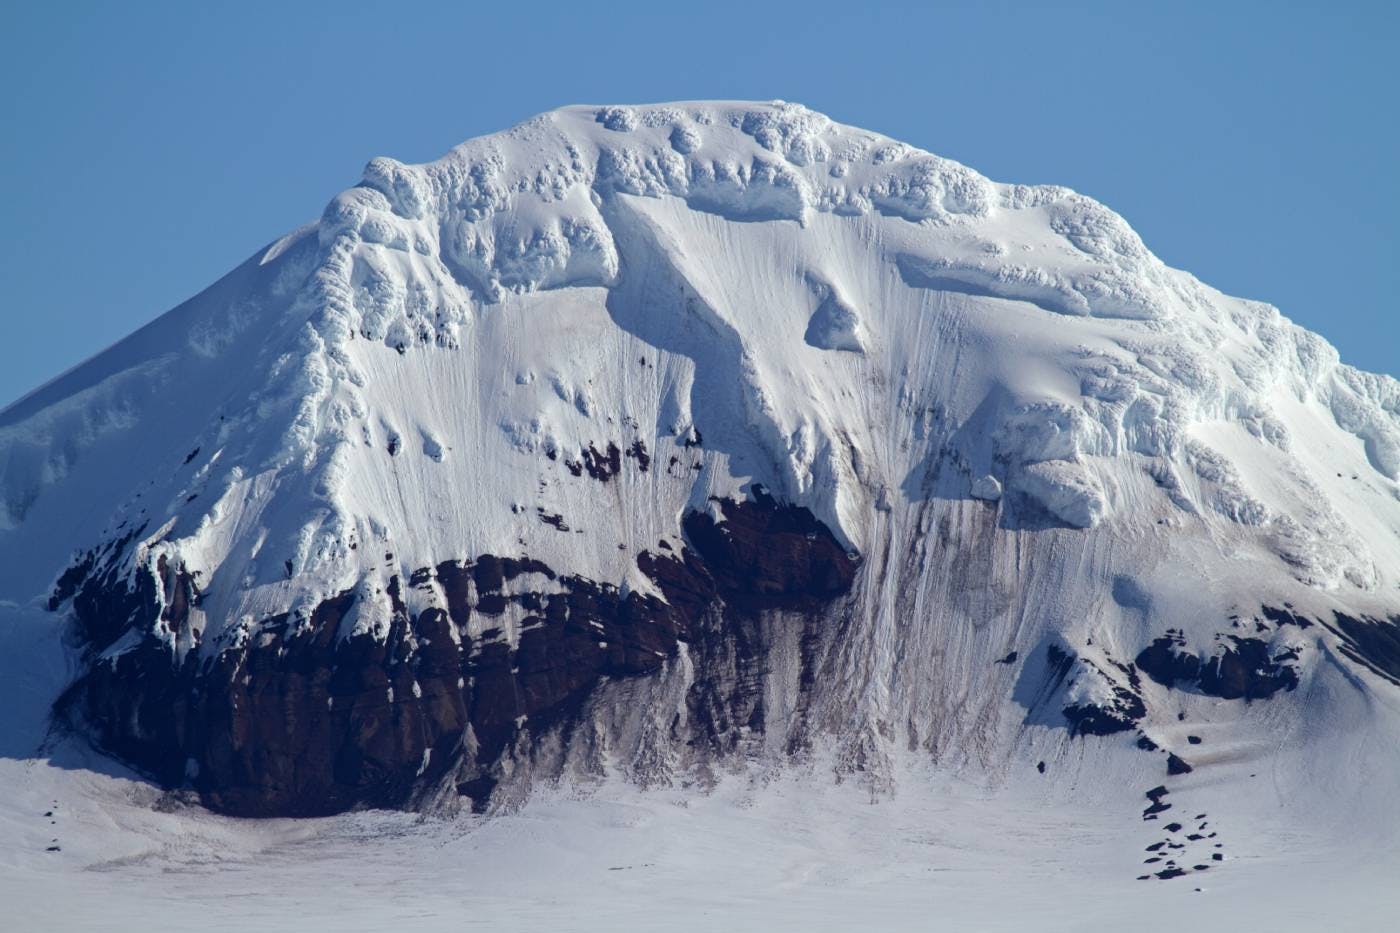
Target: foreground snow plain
[788, 851]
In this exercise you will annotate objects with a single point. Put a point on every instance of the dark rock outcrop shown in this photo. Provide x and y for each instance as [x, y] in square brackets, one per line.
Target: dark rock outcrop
[1372, 643]
[601, 465]
[767, 556]
[1177, 766]
[1240, 668]
[1119, 713]
[302, 717]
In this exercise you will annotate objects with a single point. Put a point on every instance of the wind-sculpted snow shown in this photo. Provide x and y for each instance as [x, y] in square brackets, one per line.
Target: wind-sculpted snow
[1368, 405]
[573, 344]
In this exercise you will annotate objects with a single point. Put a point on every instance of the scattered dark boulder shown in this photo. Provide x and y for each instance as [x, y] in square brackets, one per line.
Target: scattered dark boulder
[552, 519]
[1176, 766]
[1155, 795]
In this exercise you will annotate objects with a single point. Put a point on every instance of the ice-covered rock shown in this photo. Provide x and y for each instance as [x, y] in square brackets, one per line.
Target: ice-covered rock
[986, 488]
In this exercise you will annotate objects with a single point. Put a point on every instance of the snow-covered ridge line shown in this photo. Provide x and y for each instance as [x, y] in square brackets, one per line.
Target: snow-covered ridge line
[743, 161]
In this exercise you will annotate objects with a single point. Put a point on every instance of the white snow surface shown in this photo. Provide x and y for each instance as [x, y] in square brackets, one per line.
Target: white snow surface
[886, 337]
[824, 293]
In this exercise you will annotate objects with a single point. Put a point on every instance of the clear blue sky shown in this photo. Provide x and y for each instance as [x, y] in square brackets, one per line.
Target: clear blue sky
[148, 148]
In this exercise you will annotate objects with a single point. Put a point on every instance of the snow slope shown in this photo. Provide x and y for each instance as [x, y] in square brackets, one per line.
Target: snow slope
[746, 250]
[1079, 487]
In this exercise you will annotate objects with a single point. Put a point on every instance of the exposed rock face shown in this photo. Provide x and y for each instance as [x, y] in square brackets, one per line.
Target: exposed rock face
[1241, 668]
[310, 719]
[1102, 696]
[1120, 711]
[765, 556]
[1374, 643]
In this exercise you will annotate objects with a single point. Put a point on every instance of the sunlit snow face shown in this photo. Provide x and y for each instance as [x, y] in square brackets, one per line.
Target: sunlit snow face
[847, 312]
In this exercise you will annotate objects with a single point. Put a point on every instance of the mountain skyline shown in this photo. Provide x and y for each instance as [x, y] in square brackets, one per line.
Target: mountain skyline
[1188, 124]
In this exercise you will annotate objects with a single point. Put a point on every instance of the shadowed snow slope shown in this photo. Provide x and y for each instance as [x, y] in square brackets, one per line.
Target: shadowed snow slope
[677, 446]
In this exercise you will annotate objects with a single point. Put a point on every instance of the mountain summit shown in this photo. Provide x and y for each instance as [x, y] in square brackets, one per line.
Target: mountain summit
[661, 442]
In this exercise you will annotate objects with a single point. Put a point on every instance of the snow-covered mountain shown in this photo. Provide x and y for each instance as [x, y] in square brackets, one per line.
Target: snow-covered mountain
[664, 443]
